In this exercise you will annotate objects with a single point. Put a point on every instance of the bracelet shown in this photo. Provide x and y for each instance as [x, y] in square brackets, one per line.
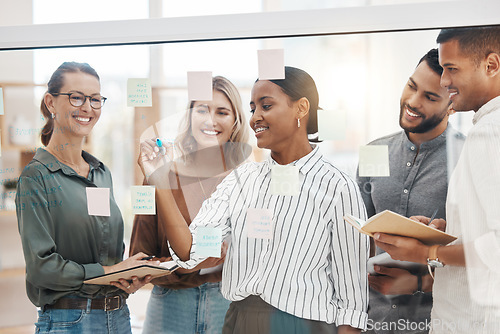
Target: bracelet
[419, 284]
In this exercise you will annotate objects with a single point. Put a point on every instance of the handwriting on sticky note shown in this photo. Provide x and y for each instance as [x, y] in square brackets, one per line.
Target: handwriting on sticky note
[332, 124]
[199, 86]
[98, 201]
[208, 241]
[259, 223]
[285, 180]
[374, 160]
[139, 92]
[143, 200]
[271, 64]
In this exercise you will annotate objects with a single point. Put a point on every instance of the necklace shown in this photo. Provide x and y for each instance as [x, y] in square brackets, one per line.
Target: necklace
[71, 164]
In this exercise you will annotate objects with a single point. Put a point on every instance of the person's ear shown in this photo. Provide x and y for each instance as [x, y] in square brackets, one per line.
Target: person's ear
[303, 107]
[48, 99]
[493, 64]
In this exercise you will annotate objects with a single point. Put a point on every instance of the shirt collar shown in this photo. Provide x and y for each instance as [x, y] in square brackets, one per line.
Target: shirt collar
[487, 108]
[52, 164]
[433, 143]
[306, 163]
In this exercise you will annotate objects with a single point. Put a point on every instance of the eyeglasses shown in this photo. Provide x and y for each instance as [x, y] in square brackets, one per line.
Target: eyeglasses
[77, 99]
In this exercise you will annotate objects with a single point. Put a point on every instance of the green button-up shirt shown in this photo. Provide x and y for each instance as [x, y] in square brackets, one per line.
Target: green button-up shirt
[63, 245]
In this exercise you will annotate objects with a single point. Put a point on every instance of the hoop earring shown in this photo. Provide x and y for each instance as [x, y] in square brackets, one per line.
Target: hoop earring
[298, 122]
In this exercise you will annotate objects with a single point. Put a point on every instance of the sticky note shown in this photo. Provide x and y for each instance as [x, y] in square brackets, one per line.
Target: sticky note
[332, 124]
[139, 93]
[1, 101]
[143, 200]
[208, 241]
[284, 180]
[374, 160]
[98, 201]
[199, 86]
[259, 223]
[271, 64]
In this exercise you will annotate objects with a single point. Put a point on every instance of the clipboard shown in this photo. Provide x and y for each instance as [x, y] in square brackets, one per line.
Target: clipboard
[392, 223]
[165, 268]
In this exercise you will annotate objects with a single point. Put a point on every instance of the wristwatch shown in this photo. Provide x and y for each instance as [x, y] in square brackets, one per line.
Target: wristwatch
[432, 260]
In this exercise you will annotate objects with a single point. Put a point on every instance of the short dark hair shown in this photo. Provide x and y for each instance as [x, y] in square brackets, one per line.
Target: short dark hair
[474, 42]
[432, 59]
[298, 84]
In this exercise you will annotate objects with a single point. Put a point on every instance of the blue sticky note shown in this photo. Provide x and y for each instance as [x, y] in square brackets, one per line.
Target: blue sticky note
[208, 241]
[143, 200]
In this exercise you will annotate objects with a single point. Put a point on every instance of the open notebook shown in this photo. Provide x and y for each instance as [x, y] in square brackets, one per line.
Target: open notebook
[392, 223]
[165, 268]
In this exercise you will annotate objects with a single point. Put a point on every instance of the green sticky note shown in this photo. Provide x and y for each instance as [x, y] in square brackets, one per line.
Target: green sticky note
[374, 160]
[208, 241]
[332, 124]
[143, 200]
[284, 180]
[139, 93]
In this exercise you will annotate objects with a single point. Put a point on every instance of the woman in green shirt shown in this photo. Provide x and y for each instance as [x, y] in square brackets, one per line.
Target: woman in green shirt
[63, 243]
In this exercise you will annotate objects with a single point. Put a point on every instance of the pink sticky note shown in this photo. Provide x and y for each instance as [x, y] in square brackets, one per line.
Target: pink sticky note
[199, 86]
[259, 223]
[98, 201]
[271, 64]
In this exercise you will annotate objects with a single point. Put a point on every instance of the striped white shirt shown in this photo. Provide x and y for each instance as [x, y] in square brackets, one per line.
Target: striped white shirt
[314, 267]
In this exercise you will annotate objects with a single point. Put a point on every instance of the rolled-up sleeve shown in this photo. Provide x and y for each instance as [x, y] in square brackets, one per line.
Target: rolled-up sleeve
[349, 260]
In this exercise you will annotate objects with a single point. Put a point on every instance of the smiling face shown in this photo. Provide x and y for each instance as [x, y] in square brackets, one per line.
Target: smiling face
[212, 122]
[70, 120]
[465, 80]
[274, 116]
[424, 103]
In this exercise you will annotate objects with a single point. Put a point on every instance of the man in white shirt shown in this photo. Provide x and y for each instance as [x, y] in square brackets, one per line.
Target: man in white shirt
[467, 284]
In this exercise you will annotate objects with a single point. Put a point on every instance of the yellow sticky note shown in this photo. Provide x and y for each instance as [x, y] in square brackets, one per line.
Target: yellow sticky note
[259, 223]
[208, 241]
[1, 101]
[332, 124]
[271, 64]
[139, 93]
[143, 200]
[199, 86]
[98, 201]
[284, 180]
[374, 160]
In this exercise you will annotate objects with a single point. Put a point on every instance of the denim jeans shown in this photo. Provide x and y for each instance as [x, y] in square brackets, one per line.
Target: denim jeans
[199, 310]
[84, 321]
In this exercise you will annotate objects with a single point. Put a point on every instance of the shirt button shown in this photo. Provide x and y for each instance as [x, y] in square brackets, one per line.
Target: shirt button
[412, 148]
[408, 164]
[394, 306]
[405, 191]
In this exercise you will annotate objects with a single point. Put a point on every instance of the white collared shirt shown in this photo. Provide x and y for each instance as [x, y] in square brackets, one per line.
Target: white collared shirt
[467, 299]
[314, 267]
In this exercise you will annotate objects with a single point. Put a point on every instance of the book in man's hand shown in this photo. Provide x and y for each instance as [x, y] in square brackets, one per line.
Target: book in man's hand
[165, 268]
[392, 223]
